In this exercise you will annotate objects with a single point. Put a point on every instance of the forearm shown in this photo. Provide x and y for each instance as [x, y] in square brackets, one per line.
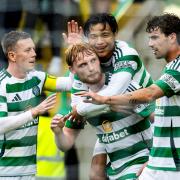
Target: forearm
[64, 141]
[13, 122]
[133, 98]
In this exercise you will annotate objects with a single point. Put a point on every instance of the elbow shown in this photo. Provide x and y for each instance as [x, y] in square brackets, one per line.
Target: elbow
[148, 95]
[64, 148]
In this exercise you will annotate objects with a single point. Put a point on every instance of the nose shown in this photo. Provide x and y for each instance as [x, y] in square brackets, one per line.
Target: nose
[90, 67]
[34, 53]
[150, 43]
[99, 40]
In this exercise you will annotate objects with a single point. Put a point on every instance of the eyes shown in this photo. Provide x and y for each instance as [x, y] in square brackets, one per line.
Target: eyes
[103, 35]
[29, 49]
[92, 61]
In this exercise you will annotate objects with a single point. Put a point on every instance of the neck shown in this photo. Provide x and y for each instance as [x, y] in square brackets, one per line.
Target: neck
[96, 87]
[173, 54]
[15, 72]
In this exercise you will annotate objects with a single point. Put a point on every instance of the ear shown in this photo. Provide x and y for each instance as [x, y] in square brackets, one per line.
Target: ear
[173, 37]
[72, 69]
[11, 56]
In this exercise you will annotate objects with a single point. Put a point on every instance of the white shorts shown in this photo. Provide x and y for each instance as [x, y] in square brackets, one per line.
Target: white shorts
[32, 177]
[150, 174]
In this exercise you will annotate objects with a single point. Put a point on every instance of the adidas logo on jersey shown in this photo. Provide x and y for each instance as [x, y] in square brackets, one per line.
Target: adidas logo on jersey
[16, 98]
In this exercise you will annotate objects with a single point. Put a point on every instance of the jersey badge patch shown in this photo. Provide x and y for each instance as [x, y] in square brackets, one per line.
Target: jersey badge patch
[36, 90]
[107, 126]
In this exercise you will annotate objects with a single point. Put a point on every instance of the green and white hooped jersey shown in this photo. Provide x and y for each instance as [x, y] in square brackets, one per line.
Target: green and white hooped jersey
[127, 139]
[124, 59]
[16, 96]
[126, 136]
[165, 153]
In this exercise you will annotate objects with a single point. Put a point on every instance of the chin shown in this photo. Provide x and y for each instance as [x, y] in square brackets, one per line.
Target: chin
[29, 70]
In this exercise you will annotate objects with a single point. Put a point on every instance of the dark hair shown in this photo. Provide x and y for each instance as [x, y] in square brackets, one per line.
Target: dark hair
[75, 50]
[102, 18]
[10, 40]
[167, 23]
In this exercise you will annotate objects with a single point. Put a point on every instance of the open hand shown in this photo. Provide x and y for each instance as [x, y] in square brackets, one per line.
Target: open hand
[74, 116]
[44, 106]
[57, 123]
[92, 97]
[74, 34]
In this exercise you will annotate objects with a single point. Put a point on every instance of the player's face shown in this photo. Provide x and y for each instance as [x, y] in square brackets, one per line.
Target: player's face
[24, 55]
[159, 43]
[87, 67]
[102, 39]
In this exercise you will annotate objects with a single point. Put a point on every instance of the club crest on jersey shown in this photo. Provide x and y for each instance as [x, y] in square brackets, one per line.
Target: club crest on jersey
[36, 90]
[107, 126]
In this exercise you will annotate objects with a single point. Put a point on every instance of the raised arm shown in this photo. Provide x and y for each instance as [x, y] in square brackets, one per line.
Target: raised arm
[64, 137]
[74, 33]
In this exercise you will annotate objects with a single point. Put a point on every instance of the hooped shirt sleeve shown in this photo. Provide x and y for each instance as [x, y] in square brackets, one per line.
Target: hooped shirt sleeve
[169, 82]
[56, 84]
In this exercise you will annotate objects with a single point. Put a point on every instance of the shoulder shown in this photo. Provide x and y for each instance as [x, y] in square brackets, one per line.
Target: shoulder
[125, 48]
[174, 65]
[39, 74]
[79, 85]
[4, 76]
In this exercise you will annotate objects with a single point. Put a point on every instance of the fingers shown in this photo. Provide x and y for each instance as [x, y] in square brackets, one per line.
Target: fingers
[57, 121]
[50, 101]
[89, 100]
[83, 94]
[81, 31]
[51, 97]
[65, 38]
[73, 27]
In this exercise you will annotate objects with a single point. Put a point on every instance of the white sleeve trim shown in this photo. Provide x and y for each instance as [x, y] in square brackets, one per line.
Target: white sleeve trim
[64, 83]
[13, 122]
[118, 85]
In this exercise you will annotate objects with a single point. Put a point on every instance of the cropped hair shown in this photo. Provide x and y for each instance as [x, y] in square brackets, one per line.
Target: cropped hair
[167, 23]
[10, 40]
[74, 51]
[103, 18]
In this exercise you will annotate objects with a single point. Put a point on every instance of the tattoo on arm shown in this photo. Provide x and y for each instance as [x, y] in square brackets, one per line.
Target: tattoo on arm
[133, 101]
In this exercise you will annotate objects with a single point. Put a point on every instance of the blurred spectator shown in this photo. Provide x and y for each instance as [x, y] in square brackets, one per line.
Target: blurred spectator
[54, 15]
[10, 15]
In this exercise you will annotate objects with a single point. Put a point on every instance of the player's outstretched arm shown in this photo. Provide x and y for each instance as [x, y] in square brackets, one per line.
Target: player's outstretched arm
[13, 122]
[140, 96]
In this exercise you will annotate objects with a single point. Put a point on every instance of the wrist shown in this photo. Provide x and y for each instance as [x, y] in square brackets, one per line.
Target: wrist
[57, 131]
[107, 99]
[34, 112]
